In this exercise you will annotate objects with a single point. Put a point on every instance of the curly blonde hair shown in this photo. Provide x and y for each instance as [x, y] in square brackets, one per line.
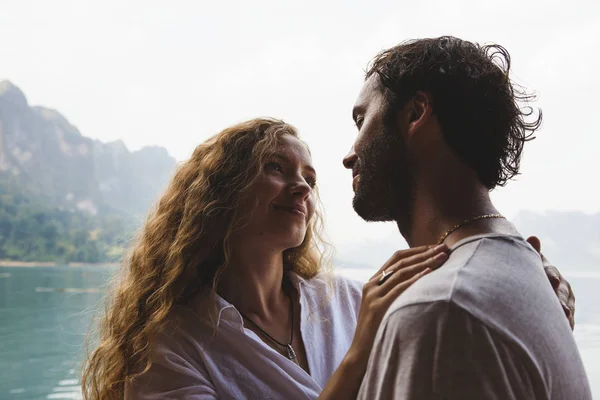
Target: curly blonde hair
[183, 249]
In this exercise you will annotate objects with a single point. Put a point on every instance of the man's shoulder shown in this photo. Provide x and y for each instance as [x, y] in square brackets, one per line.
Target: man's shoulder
[492, 295]
[484, 275]
[497, 281]
[486, 252]
[491, 249]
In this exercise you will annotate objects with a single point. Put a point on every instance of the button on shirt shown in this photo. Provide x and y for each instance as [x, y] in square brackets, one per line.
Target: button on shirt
[196, 360]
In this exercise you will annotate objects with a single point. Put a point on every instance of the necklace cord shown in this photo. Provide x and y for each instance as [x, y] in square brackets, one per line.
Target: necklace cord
[465, 222]
[288, 346]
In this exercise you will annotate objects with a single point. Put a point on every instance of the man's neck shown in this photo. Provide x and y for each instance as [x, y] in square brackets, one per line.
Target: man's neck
[439, 208]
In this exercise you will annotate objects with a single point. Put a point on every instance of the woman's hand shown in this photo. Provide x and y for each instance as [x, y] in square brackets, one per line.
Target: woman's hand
[561, 286]
[403, 269]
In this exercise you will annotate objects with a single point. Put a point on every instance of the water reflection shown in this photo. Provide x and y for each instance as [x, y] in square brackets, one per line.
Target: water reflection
[45, 313]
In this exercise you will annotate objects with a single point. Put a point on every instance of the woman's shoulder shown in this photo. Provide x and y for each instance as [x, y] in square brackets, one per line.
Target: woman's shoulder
[342, 282]
[335, 283]
[186, 330]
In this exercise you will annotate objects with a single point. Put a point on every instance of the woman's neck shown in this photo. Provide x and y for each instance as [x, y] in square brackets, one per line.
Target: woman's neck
[252, 282]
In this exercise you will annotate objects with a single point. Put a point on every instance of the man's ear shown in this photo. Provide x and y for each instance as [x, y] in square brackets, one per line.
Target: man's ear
[416, 112]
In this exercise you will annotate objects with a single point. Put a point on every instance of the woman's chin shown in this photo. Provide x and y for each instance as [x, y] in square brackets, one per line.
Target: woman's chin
[291, 242]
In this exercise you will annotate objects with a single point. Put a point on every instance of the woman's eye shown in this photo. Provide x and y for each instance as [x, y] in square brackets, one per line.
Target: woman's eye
[312, 182]
[274, 166]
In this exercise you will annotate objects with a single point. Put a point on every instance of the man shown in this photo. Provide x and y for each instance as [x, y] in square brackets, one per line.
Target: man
[439, 127]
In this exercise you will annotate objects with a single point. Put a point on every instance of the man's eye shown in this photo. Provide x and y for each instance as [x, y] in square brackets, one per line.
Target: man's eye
[359, 122]
[273, 166]
[312, 182]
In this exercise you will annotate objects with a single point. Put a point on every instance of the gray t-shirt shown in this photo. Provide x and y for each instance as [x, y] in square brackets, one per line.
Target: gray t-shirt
[486, 325]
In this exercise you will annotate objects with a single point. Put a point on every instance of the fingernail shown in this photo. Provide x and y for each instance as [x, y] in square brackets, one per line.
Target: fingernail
[567, 311]
[441, 247]
[426, 271]
[441, 257]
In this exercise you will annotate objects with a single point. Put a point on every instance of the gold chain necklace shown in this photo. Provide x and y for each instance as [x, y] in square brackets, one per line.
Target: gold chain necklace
[468, 221]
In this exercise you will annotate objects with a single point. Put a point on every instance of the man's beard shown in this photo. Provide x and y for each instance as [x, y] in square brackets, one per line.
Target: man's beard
[385, 188]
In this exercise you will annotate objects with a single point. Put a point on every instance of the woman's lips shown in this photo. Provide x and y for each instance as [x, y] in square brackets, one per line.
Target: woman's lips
[294, 210]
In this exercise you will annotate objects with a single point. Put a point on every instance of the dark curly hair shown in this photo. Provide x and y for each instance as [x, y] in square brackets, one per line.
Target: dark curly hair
[475, 101]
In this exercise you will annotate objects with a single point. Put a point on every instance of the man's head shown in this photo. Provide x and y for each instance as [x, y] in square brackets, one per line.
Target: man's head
[426, 94]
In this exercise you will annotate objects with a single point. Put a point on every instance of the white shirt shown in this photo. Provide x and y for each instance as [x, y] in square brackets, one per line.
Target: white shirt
[197, 361]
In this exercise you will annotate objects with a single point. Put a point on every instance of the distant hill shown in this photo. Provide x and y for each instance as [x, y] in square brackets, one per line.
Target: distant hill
[570, 240]
[61, 192]
[49, 158]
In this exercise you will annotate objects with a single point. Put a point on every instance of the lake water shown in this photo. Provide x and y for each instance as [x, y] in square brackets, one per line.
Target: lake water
[45, 312]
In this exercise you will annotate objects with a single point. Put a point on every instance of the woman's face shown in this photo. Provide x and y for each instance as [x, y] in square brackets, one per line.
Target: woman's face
[281, 202]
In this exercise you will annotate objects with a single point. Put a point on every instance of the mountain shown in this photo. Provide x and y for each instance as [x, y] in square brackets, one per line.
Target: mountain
[46, 156]
[65, 197]
[570, 239]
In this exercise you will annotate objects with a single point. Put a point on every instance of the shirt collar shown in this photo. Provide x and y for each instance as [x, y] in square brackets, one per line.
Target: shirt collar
[227, 311]
[474, 238]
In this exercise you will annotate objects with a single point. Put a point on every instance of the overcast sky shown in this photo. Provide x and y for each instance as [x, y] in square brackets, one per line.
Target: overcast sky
[152, 74]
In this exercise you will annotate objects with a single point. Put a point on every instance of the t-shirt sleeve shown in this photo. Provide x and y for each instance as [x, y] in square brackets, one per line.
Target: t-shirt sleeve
[439, 351]
[172, 376]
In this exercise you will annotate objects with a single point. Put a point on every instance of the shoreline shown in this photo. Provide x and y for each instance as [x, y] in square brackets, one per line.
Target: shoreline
[34, 264]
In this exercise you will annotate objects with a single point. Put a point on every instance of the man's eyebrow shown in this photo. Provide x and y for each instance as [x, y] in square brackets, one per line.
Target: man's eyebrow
[287, 161]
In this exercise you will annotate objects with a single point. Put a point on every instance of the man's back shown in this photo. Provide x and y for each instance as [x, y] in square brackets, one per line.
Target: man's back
[485, 325]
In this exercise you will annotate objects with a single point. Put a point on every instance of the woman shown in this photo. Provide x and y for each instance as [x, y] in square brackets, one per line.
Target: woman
[227, 293]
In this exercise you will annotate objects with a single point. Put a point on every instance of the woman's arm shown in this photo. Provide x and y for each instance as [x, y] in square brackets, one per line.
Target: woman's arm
[171, 376]
[403, 269]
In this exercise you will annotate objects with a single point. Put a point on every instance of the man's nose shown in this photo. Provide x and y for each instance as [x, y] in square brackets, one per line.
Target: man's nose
[350, 159]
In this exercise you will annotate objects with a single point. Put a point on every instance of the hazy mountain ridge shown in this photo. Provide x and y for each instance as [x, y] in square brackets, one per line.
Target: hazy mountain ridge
[50, 158]
[570, 240]
[65, 197]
